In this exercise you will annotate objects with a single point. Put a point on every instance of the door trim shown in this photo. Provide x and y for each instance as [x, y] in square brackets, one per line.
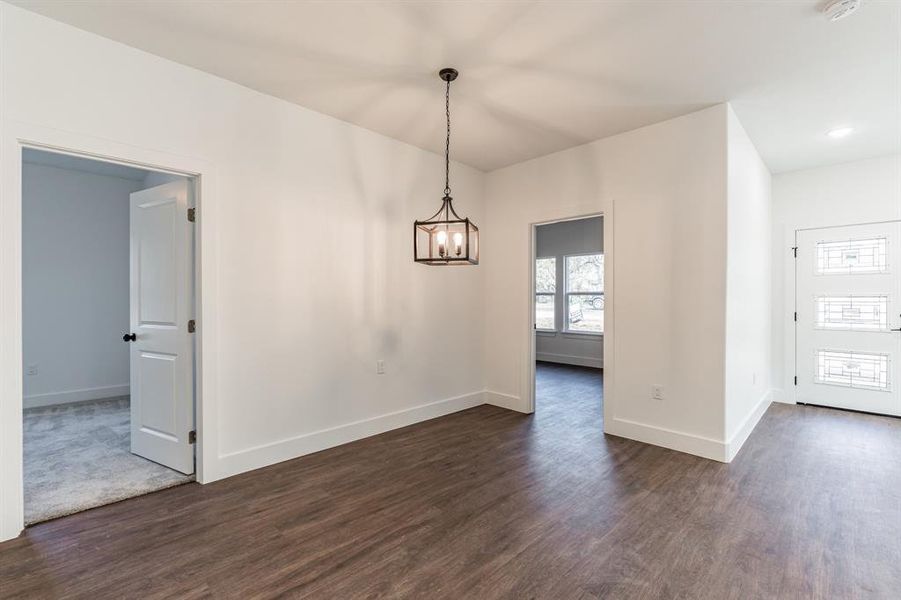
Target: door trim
[18, 136]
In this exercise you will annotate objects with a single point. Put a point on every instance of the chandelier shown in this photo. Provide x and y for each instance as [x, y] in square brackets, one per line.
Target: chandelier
[446, 238]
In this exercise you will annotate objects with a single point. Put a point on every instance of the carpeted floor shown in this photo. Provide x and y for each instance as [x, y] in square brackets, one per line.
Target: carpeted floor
[77, 457]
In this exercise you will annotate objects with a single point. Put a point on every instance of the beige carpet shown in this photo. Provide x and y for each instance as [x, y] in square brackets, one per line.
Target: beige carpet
[77, 457]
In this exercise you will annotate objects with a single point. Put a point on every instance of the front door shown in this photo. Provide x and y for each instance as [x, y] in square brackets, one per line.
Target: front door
[848, 329]
[162, 349]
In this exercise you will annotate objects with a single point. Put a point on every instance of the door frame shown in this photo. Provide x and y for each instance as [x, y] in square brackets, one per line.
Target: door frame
[608, 335]
[18, 136]
[791, 301]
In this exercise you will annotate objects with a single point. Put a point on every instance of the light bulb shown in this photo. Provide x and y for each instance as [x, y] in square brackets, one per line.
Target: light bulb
[442, 237]
[458, 243]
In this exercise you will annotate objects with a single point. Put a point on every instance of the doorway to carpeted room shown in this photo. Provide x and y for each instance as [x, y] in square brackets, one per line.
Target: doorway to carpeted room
[108, 353]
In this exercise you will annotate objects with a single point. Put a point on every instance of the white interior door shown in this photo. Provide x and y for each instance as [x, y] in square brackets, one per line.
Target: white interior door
[162, 348]
[848, 302]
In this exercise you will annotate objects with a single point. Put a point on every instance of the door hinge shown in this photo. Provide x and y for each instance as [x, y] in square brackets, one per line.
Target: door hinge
[796, 316]
[192, 437]
[796, 380]
[795, 251]
[192, 214]
[192, 326]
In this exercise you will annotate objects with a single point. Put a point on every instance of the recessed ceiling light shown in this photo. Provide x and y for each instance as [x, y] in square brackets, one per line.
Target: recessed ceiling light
[839, 132]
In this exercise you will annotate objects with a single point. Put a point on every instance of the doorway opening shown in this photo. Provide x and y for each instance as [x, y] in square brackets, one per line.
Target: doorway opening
[568, 317]
[107, 323]
[848, 317]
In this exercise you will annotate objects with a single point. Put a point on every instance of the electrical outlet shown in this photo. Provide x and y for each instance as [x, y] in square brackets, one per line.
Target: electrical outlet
[380, 367]
[657, 392]
[31, 370]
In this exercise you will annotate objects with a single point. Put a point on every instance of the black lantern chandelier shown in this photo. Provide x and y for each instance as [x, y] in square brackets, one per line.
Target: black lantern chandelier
[445, 238]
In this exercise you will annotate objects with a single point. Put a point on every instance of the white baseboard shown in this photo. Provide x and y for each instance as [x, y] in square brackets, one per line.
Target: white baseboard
[688, 442]
[264, 455]
[780, 396]
[738, 439]
[570, 359]
[96, 393]
[504, 401]
[667, 438]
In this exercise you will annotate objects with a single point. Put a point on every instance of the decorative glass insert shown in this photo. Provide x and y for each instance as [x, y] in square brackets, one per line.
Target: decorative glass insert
[852, 257]
[861, 370]
[852, 313]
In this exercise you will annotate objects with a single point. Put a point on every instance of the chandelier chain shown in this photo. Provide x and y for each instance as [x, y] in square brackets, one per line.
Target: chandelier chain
[447, 189]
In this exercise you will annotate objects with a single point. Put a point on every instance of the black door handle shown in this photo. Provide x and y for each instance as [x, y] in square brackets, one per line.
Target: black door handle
[899, 329]
[129, 337]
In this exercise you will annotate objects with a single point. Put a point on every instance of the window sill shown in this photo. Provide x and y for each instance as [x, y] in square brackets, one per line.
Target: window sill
[572, 334]
[583, 334]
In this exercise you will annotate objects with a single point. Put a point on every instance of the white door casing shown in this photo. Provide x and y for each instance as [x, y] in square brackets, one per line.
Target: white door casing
[848, 302]
[162, 351]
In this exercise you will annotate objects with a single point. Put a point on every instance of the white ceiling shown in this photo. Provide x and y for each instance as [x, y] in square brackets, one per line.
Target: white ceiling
[537, 77]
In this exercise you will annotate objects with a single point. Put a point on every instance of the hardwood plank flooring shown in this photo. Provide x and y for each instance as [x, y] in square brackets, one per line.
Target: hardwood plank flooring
[489, 503]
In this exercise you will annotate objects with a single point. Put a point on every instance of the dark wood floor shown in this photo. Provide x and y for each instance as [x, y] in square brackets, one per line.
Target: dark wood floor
[489, 503]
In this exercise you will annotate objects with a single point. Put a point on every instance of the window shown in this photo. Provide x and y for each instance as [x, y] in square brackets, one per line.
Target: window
[862, 370]
[852, 313]
[584, 275]
[545, 288]
[852, 257]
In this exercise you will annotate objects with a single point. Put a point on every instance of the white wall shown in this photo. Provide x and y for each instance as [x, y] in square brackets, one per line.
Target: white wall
[863, 191]
[579, 236]
[74, 284]
[748, 287]
[662, 189]
[305, 247]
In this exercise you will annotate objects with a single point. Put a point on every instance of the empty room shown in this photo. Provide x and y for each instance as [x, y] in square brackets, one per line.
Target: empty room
[450, 299]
